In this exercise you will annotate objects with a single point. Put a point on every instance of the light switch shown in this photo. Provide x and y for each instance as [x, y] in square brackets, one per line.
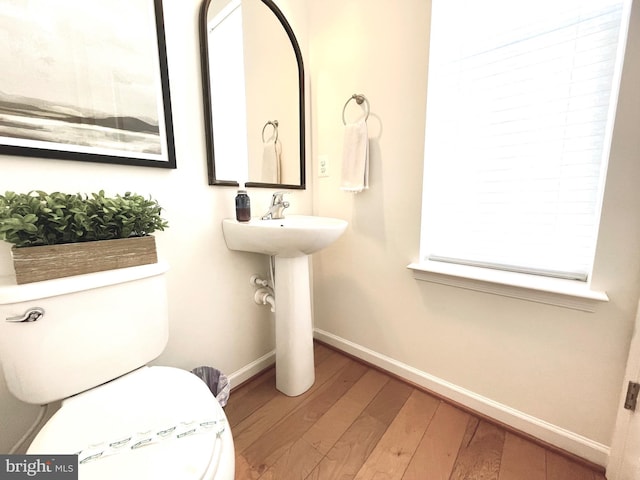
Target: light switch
[323, 165]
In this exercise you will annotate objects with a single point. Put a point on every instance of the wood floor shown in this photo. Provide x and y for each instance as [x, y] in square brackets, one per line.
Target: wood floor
[356, 422]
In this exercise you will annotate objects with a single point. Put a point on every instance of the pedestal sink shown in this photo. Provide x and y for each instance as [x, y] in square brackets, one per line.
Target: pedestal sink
[290, 241]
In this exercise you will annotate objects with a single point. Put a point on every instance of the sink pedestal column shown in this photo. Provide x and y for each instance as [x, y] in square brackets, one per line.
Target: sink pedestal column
[294, 328]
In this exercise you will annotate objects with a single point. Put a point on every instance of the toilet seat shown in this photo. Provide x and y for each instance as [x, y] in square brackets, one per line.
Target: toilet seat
[151, 406]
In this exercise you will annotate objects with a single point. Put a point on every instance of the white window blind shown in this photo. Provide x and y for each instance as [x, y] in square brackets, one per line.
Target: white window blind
[521, 98]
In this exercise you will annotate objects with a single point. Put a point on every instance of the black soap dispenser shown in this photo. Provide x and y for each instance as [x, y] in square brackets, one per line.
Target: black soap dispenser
[243, 206]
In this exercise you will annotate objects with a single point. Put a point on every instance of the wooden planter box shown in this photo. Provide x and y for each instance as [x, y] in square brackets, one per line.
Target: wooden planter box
[34, 264]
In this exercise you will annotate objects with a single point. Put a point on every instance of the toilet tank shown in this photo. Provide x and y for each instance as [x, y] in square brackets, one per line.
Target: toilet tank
[95, 328]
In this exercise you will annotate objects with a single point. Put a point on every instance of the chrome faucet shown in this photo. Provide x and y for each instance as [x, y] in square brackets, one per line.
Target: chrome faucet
[276, 209]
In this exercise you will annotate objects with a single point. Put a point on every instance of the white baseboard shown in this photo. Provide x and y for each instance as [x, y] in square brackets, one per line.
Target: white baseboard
[571, 442]
[252, 369]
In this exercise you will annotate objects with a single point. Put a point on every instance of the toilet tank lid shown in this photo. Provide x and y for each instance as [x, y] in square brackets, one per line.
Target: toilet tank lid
[12, 293]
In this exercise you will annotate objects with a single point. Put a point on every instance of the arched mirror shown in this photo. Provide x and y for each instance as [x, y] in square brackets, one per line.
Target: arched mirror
[253, 80]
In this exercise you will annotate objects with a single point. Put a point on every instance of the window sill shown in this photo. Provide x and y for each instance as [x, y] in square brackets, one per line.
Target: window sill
[552, 291]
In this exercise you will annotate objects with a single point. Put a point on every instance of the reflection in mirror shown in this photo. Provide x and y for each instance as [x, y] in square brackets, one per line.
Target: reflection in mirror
[254, 95]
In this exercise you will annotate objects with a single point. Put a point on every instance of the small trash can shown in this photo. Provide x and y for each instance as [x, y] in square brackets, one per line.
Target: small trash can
[216, 381]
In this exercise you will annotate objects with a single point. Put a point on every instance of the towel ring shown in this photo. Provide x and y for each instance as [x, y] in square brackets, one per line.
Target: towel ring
[359, 98]
[274, 124]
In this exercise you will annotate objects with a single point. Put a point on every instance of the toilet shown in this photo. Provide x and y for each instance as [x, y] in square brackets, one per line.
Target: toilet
[86, 340]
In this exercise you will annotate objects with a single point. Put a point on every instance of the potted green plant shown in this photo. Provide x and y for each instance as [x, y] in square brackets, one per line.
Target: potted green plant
[58, 234]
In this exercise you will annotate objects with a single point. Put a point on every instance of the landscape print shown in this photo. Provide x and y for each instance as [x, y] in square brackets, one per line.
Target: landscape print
[25, 118]
[83, 77]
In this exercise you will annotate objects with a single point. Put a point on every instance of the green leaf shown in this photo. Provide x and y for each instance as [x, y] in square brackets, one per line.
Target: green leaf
[40, 218]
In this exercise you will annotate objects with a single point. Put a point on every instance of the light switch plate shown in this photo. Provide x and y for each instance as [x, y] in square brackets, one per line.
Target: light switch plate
[323, 165]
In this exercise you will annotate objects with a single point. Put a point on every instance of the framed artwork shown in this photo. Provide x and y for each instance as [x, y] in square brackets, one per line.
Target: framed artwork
[85, 80]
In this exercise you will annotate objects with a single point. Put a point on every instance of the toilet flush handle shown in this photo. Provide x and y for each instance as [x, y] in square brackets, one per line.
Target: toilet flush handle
[30, 315]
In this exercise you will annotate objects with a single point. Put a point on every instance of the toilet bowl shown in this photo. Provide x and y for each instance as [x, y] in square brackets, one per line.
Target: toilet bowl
[123, 419]
[153, 423]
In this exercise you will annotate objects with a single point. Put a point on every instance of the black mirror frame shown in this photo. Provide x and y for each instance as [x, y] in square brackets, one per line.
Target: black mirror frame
[206, 94]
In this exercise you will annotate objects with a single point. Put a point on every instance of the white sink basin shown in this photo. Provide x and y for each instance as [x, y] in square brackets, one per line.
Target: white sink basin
[292, 236]
[289, 241]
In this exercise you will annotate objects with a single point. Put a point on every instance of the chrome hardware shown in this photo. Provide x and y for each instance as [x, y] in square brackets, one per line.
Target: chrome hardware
[359, 98]
[276, 209]
[274, 124]
[31, 315]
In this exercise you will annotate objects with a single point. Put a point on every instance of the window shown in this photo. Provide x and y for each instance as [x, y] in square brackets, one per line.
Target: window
[521, 100]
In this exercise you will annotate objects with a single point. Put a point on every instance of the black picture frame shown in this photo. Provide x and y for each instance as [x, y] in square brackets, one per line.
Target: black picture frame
[87, 83]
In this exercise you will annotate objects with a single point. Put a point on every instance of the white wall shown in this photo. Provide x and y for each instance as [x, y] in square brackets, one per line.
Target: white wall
[213, 318]
[557, 365]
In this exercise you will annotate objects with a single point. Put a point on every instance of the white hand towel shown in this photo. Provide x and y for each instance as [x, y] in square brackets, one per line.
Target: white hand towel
[271, 157]
[355, 157]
